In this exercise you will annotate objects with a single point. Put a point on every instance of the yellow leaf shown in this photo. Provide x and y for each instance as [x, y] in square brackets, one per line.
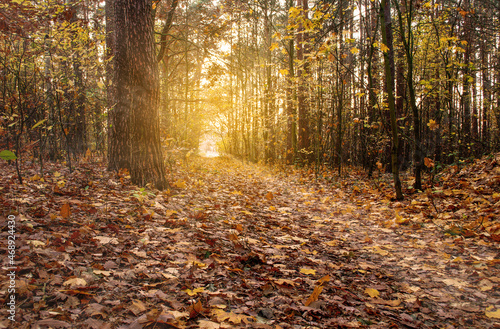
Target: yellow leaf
[170, 212]
[307, 271]
[283, 72]
[274, 46]
[433, 125]
[384, 48]
[372, 292]
[400, 220]
[230, 316]
[379, 251]
[354, 50]
[492, 314]
[194, 291]
[180, 184]
[314, 296]
[293, 12]
[272, 208]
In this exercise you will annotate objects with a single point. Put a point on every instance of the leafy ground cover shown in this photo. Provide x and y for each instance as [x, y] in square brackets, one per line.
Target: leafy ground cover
[240, 245]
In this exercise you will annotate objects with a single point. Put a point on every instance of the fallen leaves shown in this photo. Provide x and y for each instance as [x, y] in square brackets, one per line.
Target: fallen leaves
[308, 271]
[314, 296]
[65, 211]
[75, 282]
[234, 245]
[194, 292]
[223, 316]
[372, 292]
[492, 312]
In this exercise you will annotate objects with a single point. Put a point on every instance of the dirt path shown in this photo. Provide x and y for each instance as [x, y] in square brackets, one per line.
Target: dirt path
[234, 245]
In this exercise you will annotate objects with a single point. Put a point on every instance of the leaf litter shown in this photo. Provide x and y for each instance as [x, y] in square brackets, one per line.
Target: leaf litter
[239, 245]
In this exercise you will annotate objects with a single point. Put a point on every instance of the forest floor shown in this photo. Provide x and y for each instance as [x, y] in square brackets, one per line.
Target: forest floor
[240, 245]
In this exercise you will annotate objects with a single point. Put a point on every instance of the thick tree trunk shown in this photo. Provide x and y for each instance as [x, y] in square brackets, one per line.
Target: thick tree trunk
[135, 128]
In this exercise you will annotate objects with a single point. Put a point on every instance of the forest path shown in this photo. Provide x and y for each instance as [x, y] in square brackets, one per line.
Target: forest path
[239, 245]
[383, 269]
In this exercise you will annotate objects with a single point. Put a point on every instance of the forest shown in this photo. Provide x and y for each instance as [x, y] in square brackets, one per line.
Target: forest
[250, 163]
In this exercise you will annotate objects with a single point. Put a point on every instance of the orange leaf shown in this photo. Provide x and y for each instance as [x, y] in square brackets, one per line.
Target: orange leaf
[65, 211]
[428, 163]
[269, 196]
[324, 279]
[314, 296]
[195, 309]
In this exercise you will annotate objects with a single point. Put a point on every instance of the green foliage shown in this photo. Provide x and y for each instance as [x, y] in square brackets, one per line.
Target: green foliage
[8, 155]
[142, 194]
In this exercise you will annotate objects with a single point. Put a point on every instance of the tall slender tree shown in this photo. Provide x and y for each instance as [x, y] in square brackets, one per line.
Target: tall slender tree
[385, 10]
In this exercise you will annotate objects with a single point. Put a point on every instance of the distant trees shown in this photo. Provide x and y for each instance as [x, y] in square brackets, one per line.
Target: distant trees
[50, 101]
[328, 97]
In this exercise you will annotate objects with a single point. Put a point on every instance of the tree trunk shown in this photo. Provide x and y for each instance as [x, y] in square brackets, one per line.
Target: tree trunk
[303, 110]
[408, 48]
[135, 130]
[291, 151]
[385, 10]
[110, 60]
